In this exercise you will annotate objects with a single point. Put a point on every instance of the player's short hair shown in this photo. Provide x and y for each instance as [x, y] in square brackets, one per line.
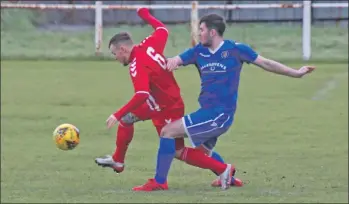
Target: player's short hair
[214, 21]
[120, 38]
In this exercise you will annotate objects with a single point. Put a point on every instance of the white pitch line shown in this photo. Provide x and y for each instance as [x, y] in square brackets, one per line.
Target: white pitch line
[329, 86]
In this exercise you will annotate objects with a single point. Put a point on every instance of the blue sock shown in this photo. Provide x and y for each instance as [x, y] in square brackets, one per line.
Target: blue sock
[217, 157]
[166, 153]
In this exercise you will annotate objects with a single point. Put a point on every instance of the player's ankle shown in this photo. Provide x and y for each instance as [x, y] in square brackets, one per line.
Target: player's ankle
[119, 165]
[118, 161]
[222, 169]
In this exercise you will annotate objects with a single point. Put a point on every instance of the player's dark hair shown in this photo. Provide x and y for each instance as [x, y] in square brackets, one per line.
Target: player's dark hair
[214, 21]
[119, 38]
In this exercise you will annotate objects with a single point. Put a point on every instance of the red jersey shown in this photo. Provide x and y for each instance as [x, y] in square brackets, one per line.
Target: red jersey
[149, 74]
[153, 84]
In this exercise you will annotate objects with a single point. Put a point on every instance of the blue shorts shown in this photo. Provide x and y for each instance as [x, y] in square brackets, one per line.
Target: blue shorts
[204, 126]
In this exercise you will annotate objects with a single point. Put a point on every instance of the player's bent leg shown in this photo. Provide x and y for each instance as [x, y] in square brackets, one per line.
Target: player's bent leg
[166, 153]
[206, 125]
[124, 137]
[179, 141]
[193, 156]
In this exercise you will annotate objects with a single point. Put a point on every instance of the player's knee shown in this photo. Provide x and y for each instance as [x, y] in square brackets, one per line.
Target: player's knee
[172, 130]
[129, 119]
[166, 132]
[122, 124]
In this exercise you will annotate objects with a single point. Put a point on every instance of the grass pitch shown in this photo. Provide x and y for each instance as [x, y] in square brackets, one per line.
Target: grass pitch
[289, 140]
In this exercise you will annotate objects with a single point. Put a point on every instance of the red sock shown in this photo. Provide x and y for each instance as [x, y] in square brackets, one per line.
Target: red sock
[124, 136]
[199, 159]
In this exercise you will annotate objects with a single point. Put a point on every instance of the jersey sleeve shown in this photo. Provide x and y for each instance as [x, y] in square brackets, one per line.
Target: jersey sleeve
[139, 76]
[188, 56]
[247, 54]
[158, 38]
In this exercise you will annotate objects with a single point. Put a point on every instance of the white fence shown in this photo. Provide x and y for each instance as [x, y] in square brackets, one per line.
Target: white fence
[194, 6]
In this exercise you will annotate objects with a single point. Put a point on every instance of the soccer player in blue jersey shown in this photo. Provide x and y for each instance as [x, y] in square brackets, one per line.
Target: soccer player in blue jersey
[219, 63]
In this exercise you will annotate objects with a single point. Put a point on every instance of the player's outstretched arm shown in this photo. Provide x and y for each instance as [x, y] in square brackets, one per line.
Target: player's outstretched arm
[158, 38]
[248, 55]
[278, 68]
[146, 16]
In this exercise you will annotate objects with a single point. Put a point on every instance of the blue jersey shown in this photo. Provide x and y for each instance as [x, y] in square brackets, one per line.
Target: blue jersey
[220, 72]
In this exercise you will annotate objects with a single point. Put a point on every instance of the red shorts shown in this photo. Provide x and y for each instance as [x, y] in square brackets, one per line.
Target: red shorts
[161, 118]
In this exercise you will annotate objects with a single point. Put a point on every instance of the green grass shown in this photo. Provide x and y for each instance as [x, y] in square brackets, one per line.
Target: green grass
[286, 146]
[20, 40]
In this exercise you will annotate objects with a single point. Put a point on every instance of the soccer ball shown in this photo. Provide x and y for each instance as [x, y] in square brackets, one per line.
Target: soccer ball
[66, 136]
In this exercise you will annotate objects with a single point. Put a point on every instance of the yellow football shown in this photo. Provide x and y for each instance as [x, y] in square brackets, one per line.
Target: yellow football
[66, 136]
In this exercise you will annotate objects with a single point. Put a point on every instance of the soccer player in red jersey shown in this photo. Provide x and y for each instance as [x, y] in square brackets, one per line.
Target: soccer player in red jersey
[157, 98]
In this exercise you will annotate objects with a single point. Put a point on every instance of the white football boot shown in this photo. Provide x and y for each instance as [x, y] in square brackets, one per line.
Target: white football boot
[226, 176]
[108, 161]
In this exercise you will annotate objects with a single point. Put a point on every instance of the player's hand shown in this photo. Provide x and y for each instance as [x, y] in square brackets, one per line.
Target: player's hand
[111, 121]
[305, 70]
[172, 63]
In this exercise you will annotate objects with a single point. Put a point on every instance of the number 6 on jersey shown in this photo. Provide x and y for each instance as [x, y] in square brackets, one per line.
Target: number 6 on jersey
[156, 57]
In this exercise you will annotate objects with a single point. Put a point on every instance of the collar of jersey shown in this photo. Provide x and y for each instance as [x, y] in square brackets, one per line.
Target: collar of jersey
[214, 51]
[132, 55]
